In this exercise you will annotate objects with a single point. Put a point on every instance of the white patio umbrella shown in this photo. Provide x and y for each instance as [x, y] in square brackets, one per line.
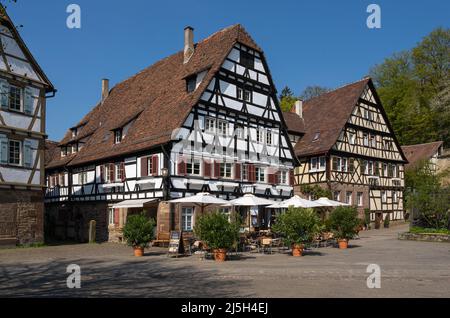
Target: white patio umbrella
[202, 199]
[296, 201]
[250, 200]
[327, 202]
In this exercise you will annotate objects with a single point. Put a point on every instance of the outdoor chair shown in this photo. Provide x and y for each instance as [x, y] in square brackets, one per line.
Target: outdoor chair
[266, 244]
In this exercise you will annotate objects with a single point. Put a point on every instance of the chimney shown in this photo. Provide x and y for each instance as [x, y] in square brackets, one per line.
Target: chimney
[188, 43]
[105, 89]
[298, 108]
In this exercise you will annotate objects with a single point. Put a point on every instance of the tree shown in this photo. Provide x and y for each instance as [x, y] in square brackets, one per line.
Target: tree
[287, 99]
[313, 91]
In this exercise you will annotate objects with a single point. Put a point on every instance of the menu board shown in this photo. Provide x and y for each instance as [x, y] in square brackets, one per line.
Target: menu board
[175, 246]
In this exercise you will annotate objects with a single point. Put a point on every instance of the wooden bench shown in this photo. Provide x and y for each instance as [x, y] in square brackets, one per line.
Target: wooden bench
[162, 239]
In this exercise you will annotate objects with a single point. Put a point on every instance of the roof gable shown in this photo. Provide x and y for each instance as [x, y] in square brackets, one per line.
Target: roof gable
[419, 152]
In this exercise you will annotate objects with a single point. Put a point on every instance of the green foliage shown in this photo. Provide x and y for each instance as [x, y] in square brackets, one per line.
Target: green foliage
[139, 230]
[414, 89]
[313, 91]
[344, 222]
[421, 230]
[298, 225]
[367, 217]
[215, 229]
[315, 191]
[425, 194]
[387, 220]
[287, 99]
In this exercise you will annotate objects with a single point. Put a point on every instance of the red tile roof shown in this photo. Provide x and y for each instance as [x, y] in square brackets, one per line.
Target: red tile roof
[295, 124]
[156, 97]
[419, 152]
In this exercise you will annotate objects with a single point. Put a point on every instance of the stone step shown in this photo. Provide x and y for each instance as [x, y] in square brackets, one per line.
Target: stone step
[7, 241]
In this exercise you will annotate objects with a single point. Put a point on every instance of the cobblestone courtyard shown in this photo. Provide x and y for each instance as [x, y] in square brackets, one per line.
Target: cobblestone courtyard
[408, 269]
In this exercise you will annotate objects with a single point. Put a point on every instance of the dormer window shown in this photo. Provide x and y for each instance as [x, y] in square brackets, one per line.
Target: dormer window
[191, 83]
[63, 151]
[316, 136]
[117, 136]
[74, 132]
[247, 60]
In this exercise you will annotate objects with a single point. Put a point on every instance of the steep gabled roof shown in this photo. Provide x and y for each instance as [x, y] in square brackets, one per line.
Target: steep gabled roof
[325, 116]
[295, 124]
[155, 98]
[6, 20]
[419, 152]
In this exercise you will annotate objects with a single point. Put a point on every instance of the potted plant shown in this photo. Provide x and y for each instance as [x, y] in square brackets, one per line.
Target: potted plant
[297, 226]
[386, 221]
[138, 232]
[344, 224]
[217, 232]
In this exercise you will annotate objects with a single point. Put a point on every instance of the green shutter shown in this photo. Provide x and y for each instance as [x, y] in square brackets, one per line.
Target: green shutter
[28, 101]
[4, 92]
[27, 153]
[3, 149]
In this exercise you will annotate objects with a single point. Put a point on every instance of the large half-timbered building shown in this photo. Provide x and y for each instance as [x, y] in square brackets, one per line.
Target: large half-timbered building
[203, 119]
[23, 91]
[348, 147]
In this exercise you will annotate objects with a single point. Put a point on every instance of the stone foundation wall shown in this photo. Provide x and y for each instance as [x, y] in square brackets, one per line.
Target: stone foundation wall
[22, 216]
[424, 237]
[70, 221]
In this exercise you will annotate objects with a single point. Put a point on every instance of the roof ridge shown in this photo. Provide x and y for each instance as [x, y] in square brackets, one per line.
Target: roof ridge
[425, 143]
[339, 87]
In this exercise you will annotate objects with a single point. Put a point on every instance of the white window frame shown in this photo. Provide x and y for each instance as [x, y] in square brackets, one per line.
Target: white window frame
[383, 196]
[344, 164]
[118, 136]
[351, 137]
[226, 170]
[284, 177]
[259, 135]
[222, 127]
[244, 172]
[107, 174]
[20, 97]
[191, 166]
[260, 172]
[348, 199]
[83, 177]
[210, 125]
[268, 136]
[366, 140]
[187, 213]
[116, 172]
[111, 216]
[20, 152]
[337, 195]
[360, 198]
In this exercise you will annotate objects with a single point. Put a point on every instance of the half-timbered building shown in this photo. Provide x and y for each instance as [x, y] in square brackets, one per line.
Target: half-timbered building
[23, 91]
[204, 119]
[349, 148]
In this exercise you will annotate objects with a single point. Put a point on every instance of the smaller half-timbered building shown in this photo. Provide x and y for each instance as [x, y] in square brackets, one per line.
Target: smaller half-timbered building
[348, 147]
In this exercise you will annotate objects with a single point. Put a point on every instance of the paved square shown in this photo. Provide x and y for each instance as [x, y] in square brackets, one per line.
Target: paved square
[408, 269]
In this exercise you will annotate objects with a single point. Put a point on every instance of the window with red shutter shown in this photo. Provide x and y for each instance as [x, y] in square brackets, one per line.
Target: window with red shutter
[102, 173]
[181, 166]
[291, 177]
[216, 169]
[206, 168]
[237, 171]
[122, 171]
[251, 173]
[111, 172]
[155, 165]
[144, 167]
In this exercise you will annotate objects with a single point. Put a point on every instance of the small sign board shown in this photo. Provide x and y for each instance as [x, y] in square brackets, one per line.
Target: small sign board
[175, 243]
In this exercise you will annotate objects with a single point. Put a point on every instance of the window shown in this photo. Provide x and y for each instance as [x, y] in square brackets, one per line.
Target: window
[373, 141]
[336, 195]
[187, 219]
[239, 93]
[225, 170]
[337, 163]
[74, 147]
[377, 168]
[269, 137]
[111, 216]
[247, 96]
[316, 136]
[260, 174]
[359, 198]
[117, 136]
[344, 164]
[322, 162]
[191, 83]
[394, 171]
[63, 151]
[366, 139]
[283, 177]
[348, 197]
[239, 131]
[351, 165]
[383, 196]
[222, 127]
[119, 173]
[243, 94]
[394, 196]
[61, 181]
[193, 167]
[370, 168]
[259, 136]
[385, 170]
[15, 152]
[83, 177]
[351, 137]
[313, 164]
[210, 125]
[244, 172]
[15, 98]
[108, 173]
[390, 170]
[247, 60]
[364, 167]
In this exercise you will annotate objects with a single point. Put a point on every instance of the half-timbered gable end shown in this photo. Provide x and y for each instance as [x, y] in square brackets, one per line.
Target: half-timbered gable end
[23, 89]
[207, 116]
[350, 148]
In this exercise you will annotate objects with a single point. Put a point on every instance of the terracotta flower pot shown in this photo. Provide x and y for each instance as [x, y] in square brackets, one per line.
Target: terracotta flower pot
[220, 254]
[297, 250]
[343, 244]
[138, 251]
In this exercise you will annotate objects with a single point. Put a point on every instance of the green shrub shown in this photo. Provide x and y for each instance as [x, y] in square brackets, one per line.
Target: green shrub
[421, 230]
[298, 225]
[139, 230]
[387, 221]
[367, 218]
[344, 222]
[215, 229]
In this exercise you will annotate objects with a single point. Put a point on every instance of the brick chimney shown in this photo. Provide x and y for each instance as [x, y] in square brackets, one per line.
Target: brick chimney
[105, 89]
[298, 108]
[188, 43]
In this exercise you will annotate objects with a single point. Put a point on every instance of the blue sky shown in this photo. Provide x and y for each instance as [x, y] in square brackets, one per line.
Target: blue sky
[306, 42]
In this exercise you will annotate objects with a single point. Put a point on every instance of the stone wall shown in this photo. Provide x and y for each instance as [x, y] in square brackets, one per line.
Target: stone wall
[424, 237]
[21, 216]
[69, 221]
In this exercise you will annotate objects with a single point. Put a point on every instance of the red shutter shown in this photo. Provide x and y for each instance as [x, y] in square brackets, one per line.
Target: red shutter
[216, 169]
[251, 172]
[144, 167]
[181, 166]
[291, 177]
[237, 171]
[206, 168]
[155, 165]
[122, 171]
[111, 172]
[116, 216]
[102, 173]
[271, 176]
